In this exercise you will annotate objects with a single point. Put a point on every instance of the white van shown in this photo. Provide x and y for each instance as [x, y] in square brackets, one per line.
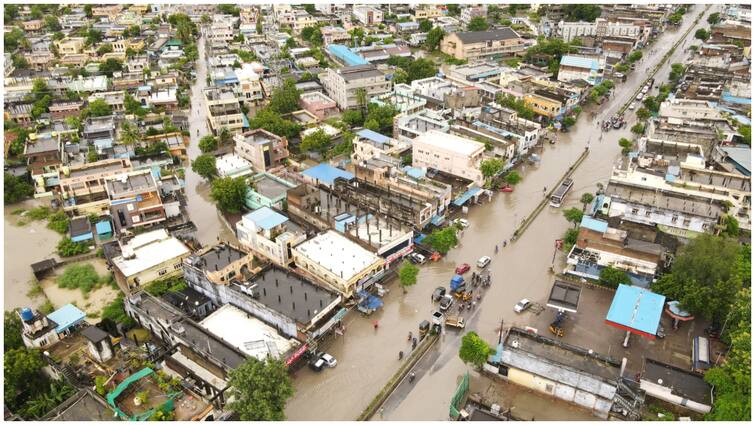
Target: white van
[483, 262]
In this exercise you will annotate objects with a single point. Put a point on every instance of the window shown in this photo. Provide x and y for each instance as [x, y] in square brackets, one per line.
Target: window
[647, 213]
[162, 272]
[635, 211]
[674, 219]
[177, 266]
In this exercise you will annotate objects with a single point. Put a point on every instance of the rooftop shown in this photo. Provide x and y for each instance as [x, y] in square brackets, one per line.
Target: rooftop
[564, 296]
[67, 316]
[493, 35]
[220, 256]
[636, 309]
[337, 254]
[128, 183]
[269, 186]
[580, 62]
[290, 294]
[683, 383]
[249, 335]
[326, 173]
[450, 142]
[266, 218]
[148, 250]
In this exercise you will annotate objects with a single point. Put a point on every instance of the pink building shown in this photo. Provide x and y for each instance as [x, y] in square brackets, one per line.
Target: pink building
[319, 105]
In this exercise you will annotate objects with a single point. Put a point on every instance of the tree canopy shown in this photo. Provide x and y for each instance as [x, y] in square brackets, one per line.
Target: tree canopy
[285, 98]
[573, 215]
[229, 193]
[15, 189]
[478, 23]
[582, 12]
[415, 69]
[474, 350]
[434, 37]
[208, 143]
[702, 34]
[491, 167]
[407, 274]
[12, 329]
[513, 178]
[612, 277]
[271, 121]
[260, 389]
[706, 275]
[318, 141]
[442, 240]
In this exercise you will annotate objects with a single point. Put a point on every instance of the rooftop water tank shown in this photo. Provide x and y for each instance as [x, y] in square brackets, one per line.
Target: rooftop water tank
[26, 314]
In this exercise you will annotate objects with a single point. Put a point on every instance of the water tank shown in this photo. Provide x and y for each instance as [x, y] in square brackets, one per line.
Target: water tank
[26, 314]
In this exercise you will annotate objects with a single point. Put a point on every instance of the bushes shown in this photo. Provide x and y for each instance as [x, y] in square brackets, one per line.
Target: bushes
[69, 248]
[82, 276]
[58, 222]
[164, 286]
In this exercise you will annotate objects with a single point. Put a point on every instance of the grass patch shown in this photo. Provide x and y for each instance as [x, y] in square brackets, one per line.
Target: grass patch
[39, 213]
[58, 222]
[22, 223]
[47, 307]
[82, 276]
[35, 291]
[18, 211]
[160, 287]
[69, 248]
[115, 312]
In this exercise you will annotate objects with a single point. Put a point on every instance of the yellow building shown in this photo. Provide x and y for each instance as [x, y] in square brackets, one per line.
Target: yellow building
[473, 45]
[545, 103]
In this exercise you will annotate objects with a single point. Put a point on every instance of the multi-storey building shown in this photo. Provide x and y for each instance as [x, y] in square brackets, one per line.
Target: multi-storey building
[264, 150]
[451, 154]
[223, 110]
[368, 15]
[344, 85]
[474, 45]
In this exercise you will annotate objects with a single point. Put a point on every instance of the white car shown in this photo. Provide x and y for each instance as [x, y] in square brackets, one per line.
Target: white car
[639, 96]
[632, 106]
[483, 262]
[329, 360]
[463, 222]
[522, 305]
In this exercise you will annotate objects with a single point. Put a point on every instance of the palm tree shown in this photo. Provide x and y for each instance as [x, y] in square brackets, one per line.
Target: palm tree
[586, 199]
[129, 134]
[362, 99]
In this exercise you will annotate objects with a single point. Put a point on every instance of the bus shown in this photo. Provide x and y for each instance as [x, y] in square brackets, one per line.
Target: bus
[558, 196]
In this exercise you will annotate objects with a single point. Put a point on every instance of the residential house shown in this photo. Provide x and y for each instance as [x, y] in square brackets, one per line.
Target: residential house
[264, 150]
[270, 234]
[148, 257]
[134, 200]
[223, 110]
[584, 68]
[368, 15]
[473, 45]
[83, 187]
[448, 153]
[344, 85]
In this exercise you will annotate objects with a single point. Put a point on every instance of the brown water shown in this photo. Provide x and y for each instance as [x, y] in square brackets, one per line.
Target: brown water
[368, 358]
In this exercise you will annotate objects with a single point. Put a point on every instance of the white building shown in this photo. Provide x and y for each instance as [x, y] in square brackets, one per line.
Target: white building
[265, 232]
[344, 84]
[250, 87]
[680, 111]
[600, 28]
[368, 15]
[232, 165]
[148, 257]
[449, 153]
[337, 261]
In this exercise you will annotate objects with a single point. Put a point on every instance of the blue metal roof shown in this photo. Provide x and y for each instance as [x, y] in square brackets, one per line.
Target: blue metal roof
[326, 173]
[374, 136]
[636, 309]
[415, 173]
[67, 316]
[727, 97]
[594, 224]
[466, 196]
[579, 62]
[103, 227]
[266, 218]
[345, 54]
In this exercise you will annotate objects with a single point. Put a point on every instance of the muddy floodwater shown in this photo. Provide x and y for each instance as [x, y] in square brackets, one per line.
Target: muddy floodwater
[368, 358]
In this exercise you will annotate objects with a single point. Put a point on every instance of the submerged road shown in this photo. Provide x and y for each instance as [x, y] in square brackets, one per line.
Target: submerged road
[367, 358]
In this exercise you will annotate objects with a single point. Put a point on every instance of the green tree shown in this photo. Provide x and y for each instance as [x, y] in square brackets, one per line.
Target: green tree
[93, 37]
[129, 133]
[714, 18]
[14, 39]
[407, 274]
[586, 199]
[730, 226]
[442, 240]
[258, 26]
[116, 313]
[746, 132]
[52, 23]
[98, 108]
[638, 128]
[204, 165]
[702, 34]
[634, 56]
[474, 350]
[582, 12]
[453, 9]
[626, 145]
[260, 389]
[69, 248]
[110, 66]
[353, 117]
[643, 114]
[612, 277]
[229, 193]
[208, 144]
[23, 375]
[478, 23]
[15, 189]
[272, 122]
[677, 71]
[705, 276]
[513, 178]
[573, 216]
[104, 48]
[12, 329]
[425, 25]
[491, 167]
[318, 141]
[570, 238]
[285, 98]
[434, 37]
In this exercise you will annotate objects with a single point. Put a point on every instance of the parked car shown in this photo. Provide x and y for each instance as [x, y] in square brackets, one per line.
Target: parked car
[483, 262]
[417, 258]
[463, 268]
[446, 302]
[463, 222]
[316, 364]
[329, 360]
[639, 96]
[522, 305]
[437, 318]
[632, 106]
[438, 293]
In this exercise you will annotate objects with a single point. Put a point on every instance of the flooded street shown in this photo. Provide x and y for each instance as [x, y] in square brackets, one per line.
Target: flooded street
[200, 207]
[24, 245]
[368, 358]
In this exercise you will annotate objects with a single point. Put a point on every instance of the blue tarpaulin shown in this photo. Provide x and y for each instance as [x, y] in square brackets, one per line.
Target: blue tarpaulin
[421, 237]
[461, 200]
[457, 282]
[437, 220]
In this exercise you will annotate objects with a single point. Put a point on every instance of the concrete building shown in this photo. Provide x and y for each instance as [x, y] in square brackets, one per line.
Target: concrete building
[344, 84]
[83, 188]
[584, 68]
[232, 165]
[601, 28]
[148, 257]
[338, 262]
[475, 45]
[368, 15]
[369, 144]
[270, 234]
[223, 110]
[134, 200]
[318, 105]
[264, 150]
[427, 12]
[408, 127]
[469, 12]
[267, 190]
[450, 154]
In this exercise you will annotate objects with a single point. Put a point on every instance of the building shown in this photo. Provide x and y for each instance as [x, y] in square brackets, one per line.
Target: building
[319, 105]
[408, 127]
[267, 190]
[264, 150]
[38, 331]
[427, 12]
[44, 159]
[573, 374]
[369, 144]
[338, 262]
[134, 200]
[676, 386]
[368, 15]
[270, 234]
[83, 188]
[450, 154]
[232, 165]
[344, 85]
[473, 45]
[223, 110]
[470, 12]
[584, 68]
[148, 257]
[599, 29]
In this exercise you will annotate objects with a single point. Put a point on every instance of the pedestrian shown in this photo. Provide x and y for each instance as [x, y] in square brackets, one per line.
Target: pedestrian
[411, 377]
[414, 343]
[400, 355]
[375, 324]
[382, 410]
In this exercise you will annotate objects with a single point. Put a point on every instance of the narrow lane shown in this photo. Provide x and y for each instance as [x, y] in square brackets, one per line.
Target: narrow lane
[367, 358]
[200, 207]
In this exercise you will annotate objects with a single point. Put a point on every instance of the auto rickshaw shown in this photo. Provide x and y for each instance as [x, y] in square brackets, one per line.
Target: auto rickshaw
[424, 328]
[555, 326]
[435, 256]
